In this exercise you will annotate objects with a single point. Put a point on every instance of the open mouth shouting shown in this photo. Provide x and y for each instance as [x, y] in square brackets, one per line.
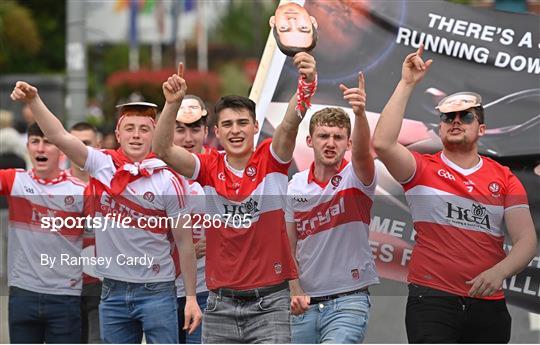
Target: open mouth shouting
[41, 159]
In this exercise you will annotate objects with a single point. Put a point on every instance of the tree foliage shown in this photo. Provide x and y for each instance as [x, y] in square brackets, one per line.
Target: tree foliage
[32, 36]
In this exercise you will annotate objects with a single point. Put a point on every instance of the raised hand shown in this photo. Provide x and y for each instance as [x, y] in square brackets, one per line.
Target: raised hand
[306, 66]
[414, 68]
[23, 92]
[174, 89]
[356, 96]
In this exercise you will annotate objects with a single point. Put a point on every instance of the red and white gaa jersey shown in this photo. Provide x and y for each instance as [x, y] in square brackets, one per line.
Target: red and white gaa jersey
[248, 248]
[332, 224]
[196, 200]
[458, 216]
[39, 259]
[140, 250]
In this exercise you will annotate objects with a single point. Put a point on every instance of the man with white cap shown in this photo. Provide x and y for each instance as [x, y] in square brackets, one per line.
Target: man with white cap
[190, 133]
[139, 261]
[458, 200]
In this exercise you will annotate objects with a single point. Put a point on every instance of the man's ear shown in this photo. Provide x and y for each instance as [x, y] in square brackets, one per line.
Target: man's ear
[481, 130]
[204, 112]
[272, 21]
[314, 22]
[256, 127]
[309, 143]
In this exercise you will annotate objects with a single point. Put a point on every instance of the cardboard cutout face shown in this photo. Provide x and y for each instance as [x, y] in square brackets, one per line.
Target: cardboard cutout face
[294, 29]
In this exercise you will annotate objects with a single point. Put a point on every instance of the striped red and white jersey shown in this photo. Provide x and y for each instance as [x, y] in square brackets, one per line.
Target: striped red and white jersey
[332, 224]
[197, 204]
[31, 241]
[159, 196]
[249, 248]
[458, 217]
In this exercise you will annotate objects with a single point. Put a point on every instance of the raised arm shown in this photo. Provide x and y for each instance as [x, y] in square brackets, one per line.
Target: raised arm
[521, 230]
[174, 90]
[51, 126]
[284, 139]
[398, 159]
[362, 161]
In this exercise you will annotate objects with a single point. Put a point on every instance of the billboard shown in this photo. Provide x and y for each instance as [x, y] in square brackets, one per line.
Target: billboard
[489, 52]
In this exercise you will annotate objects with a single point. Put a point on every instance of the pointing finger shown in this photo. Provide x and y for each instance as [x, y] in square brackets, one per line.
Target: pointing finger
[181, 70]
[361, 81]
[420, 50]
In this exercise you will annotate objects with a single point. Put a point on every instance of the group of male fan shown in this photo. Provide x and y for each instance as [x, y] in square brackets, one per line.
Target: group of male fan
[305, 249]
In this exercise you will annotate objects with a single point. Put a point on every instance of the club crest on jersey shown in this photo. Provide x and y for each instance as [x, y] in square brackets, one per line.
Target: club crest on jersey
[156, 268]
[149, 196]
[251, 171]
[69, 200]
[494, 187]
[355, 274]
[277, 267]
[336, 180]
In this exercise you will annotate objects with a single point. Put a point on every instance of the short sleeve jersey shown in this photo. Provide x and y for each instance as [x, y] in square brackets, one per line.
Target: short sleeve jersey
[140, 250]
[332, 224]
[458, 216]
[249, 248]
[43, 258]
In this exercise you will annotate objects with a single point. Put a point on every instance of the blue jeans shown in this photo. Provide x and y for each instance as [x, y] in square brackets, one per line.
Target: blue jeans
[129, 309]
[37, 317]
[339, 321]
[195, 337]
[263, 320]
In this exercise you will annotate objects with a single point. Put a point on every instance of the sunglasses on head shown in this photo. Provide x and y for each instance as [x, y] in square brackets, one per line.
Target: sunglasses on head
[466, 117]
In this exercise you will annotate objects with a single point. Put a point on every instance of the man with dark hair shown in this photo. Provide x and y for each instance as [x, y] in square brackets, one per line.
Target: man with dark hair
[328, 216]
[248, 259]
[91, 289]
[458, 200]
[294, 29]
[139, 261]
[190, 133]
[44, 293]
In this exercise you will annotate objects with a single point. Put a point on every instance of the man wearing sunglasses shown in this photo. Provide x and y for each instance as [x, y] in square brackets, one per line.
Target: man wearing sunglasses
[458, 202]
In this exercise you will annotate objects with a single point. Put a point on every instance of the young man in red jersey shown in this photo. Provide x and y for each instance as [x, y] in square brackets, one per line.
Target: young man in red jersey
[458, 201]
[248, 259]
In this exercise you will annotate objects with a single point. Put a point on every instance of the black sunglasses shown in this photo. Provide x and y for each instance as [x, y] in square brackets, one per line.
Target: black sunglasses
[466, 117]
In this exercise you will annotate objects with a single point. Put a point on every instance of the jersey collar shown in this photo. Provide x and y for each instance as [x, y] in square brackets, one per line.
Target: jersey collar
[61, 177]
[312, 178]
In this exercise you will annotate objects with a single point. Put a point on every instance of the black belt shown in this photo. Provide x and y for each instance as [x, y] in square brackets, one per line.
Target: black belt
[252, 294]
[316, 300]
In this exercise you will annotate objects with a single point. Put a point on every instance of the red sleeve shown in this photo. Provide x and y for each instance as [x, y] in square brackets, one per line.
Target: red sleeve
[417, 176]
[7, 177]
[515, 192]
[207, 164]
